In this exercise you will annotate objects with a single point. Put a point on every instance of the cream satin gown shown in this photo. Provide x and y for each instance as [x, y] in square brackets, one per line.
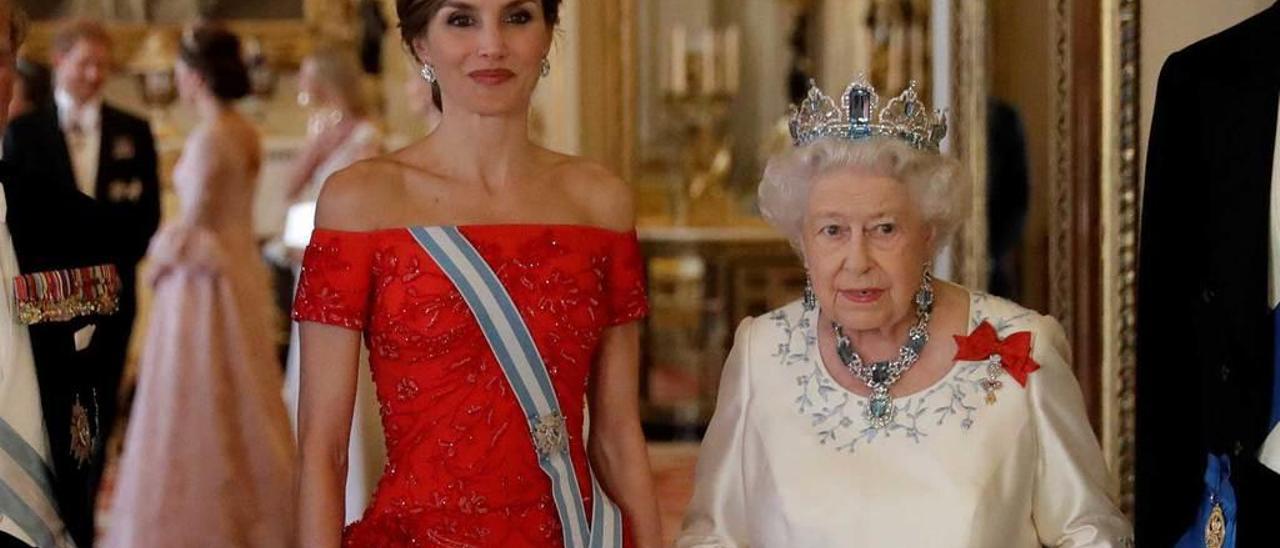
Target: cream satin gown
[790, 461]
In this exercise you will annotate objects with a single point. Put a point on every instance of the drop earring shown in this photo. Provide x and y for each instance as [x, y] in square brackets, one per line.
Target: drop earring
[428, 73]
[546, 67]
[810, 301]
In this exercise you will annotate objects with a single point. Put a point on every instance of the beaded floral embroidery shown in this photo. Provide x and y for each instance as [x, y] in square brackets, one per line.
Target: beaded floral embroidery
[835, 414]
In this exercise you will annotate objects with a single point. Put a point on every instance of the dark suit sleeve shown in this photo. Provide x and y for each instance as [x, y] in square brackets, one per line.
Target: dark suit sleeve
[14, 136]
[10, 146]
[1169, 298]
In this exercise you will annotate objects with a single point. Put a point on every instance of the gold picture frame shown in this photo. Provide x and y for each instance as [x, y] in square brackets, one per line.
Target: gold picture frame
[969, 135]
[1120, 218]
[1094, 214]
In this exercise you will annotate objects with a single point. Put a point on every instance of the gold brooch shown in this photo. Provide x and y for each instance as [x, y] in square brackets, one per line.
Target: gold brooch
[1215, 532]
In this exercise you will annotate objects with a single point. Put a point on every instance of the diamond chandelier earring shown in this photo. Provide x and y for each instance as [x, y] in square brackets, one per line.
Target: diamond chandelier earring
[810, 301]
[428, 73]
[546, 68]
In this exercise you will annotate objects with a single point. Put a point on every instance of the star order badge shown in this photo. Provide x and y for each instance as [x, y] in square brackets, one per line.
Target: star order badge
[81, 434]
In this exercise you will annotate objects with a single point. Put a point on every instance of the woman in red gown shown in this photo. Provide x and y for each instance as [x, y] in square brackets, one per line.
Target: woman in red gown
[558, 234]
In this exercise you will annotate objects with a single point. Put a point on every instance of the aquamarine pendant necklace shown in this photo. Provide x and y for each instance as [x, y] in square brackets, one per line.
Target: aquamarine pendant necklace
[881, 376]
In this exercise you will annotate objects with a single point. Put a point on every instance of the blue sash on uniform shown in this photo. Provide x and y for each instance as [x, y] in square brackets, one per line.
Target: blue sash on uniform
[1215, 525]
[515, 351]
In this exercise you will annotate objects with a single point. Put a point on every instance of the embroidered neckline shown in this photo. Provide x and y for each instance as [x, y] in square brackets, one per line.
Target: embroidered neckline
[835, 413]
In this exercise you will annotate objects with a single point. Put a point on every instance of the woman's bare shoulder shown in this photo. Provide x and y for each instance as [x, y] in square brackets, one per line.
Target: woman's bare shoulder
[360, 196]
[605, 196]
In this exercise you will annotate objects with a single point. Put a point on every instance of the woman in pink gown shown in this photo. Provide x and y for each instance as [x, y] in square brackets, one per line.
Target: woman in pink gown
[208, 457]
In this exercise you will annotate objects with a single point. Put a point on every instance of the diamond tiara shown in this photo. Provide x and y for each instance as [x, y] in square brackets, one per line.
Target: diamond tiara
[904, 118]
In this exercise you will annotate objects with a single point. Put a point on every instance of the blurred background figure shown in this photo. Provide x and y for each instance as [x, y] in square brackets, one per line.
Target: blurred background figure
[82, 144]
[340, 133]
[207, 414]
[1008, 193]
[33, 87]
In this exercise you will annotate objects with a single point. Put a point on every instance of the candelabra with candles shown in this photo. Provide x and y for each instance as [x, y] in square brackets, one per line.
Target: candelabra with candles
[702, 82]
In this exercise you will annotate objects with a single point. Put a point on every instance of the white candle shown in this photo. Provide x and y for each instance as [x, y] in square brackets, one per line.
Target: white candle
[732, 59]
[679, 70]
[709, 62]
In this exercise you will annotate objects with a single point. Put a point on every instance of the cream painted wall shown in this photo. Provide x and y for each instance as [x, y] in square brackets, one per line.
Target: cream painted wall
[1170, 25]
[556, 103]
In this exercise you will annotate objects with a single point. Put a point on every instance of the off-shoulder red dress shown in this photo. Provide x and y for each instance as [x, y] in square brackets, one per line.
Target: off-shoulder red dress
[461, 468]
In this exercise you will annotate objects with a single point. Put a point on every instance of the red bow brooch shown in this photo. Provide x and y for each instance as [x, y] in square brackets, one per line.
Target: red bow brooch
[1012, 353]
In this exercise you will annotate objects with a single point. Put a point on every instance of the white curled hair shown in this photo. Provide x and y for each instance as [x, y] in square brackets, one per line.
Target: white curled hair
[937, 183]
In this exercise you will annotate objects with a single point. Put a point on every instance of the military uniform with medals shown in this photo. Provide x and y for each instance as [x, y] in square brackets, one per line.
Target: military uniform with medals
[66, 289]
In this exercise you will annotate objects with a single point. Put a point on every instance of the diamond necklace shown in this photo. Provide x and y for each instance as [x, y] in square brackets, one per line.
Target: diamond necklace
[881, 376]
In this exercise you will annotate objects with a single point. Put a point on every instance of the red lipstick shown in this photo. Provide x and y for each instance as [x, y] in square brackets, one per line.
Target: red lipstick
[491, 77]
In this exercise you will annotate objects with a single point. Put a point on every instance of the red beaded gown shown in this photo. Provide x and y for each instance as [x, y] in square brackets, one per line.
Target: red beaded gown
[461, 468]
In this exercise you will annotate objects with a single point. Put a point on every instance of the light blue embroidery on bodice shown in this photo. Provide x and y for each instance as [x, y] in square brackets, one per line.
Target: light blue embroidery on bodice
[835, 414]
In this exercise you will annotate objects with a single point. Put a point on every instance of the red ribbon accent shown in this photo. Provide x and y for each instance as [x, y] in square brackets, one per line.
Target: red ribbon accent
[1014, 350]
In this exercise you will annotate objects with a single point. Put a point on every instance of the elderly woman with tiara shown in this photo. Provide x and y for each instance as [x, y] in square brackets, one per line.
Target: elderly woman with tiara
[888, 408]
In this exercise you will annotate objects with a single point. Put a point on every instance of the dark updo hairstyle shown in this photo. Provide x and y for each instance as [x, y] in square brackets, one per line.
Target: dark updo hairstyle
[416, 15]
[214, 53]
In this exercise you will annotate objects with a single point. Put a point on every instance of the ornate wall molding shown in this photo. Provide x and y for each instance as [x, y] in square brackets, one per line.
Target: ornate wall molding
[1120, 199]
[1094, 212]
[969, 113]
[1061, 275]
[607, 45]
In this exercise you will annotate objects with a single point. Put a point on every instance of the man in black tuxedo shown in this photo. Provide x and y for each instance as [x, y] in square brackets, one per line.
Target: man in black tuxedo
[54, 230]
[1206, 367]
[81, 143]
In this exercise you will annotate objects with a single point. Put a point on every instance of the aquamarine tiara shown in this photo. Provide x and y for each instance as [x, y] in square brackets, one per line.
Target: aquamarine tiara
[904, 117]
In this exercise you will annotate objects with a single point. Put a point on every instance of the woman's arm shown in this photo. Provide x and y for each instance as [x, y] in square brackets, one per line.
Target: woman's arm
[616, 445]
[1072, 506]
[330, 358]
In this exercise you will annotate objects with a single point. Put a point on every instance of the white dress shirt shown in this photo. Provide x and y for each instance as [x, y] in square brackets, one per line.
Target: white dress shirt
[1271, 448]
[82, 126]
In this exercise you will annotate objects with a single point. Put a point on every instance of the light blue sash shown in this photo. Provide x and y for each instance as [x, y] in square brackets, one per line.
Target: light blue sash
[26, 490]
[513, 346]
